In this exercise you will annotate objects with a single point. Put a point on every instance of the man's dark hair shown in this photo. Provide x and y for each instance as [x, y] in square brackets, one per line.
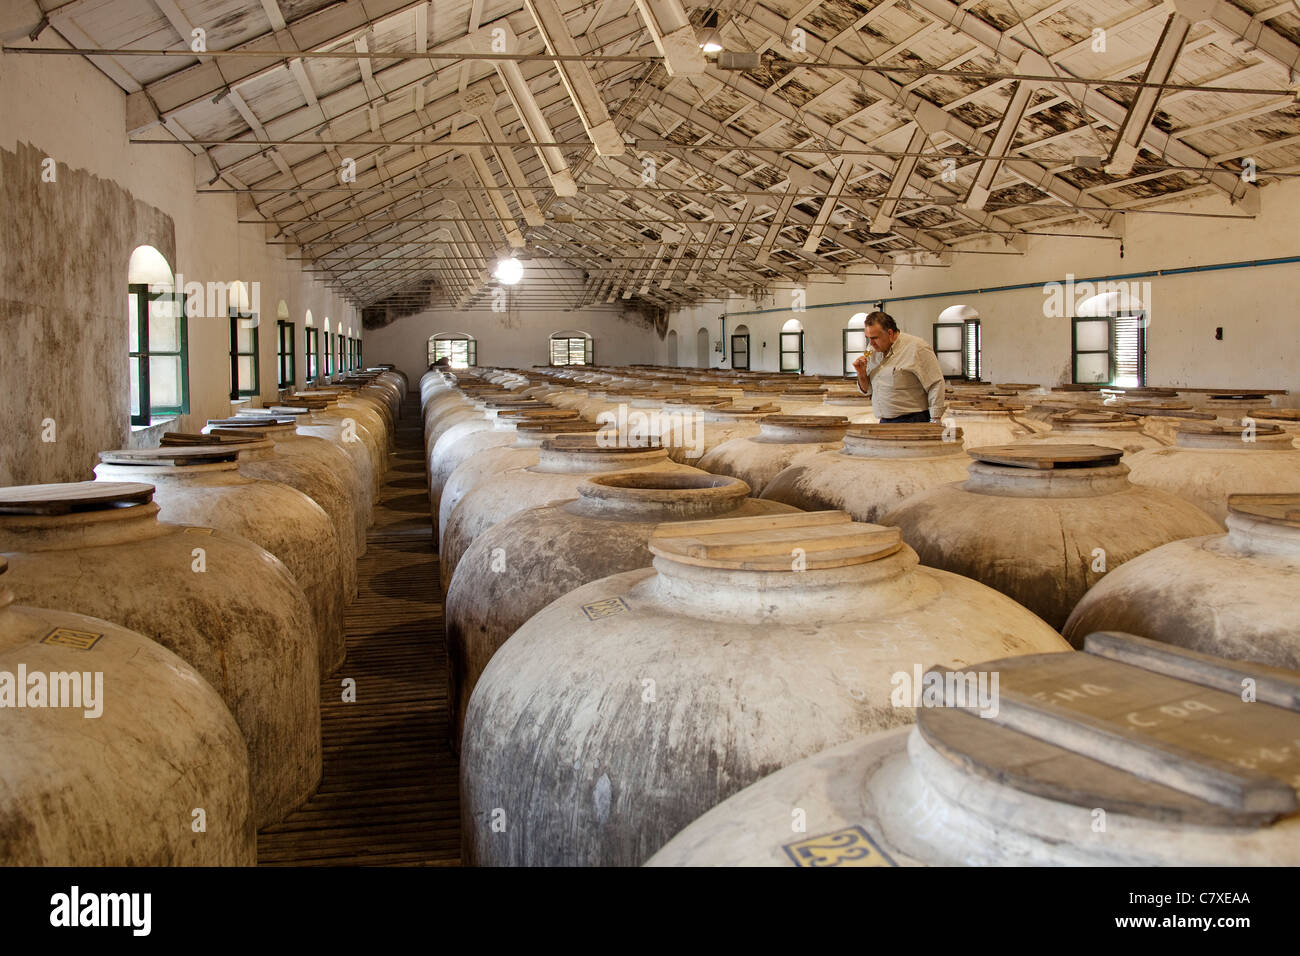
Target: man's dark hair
[882, 319]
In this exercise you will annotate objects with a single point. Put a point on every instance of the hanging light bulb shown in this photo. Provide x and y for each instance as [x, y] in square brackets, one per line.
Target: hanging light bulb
[509, 271]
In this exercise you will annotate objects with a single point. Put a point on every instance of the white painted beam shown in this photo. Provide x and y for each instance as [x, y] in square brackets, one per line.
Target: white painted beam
[1030, 63]
[832, 198]
[1095, 102]
[539, 131]
[673, 35]
[576, 77]
[505, 219]
[884, 218]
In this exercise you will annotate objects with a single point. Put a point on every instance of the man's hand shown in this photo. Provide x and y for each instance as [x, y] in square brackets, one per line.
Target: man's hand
[860, 365]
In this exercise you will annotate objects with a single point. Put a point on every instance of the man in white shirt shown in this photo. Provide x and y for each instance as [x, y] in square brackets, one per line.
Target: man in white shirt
[901, 373]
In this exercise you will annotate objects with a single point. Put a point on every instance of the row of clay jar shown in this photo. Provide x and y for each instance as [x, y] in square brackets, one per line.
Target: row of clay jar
[564, 552]
[224, 562]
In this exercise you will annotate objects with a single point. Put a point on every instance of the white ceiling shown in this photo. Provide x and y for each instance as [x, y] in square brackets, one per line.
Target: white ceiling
[728, 179]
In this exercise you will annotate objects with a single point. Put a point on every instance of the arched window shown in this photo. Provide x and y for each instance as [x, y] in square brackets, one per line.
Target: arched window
[158, 352]
[244, 380]
[458, 348]
[957, 342]
[286, 373]
[571, 347]
[792, 347]
[671, 342]
[740, 348]
[329, 350]
[855, 341]
[1110, 337]
[313, 350]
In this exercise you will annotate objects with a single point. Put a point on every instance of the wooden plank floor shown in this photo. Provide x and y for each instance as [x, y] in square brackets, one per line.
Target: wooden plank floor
[388, 796]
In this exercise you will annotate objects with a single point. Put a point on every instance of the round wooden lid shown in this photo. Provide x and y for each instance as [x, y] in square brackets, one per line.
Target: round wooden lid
[1276, 509]
[1214, 428]
[1136, 726]
[1015, 386]
[828, 539]
[1152, 391]
[591, 444]
[978, 406]
[1044, 456]
[1081, 416]
[245, 438]
[828, 422]
[903, 431]
[1277, 414]
[173, 455]
[252, 421]
[746, 408]
[540, 413]
[556, 425]
[73, 496]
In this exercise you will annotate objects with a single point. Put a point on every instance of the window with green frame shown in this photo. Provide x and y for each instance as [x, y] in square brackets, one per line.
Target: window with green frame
[284, 355]
[361, 362]
[1109, 350]
[740, 351]
[792, 352]
[313, 354]
[957, 347]
[329, 353]
[571, 350]
[462, 350]
[243, 355]
[855, 343]
[159, 354]
[340, 345]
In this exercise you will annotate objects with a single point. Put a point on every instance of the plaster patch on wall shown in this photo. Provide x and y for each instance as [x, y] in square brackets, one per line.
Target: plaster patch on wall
[63, 296]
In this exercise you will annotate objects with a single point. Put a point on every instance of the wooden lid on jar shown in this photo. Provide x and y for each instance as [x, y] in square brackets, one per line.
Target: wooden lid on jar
[1044, 456]
[207, 453]
[73, 496]
[829, 422]
[1085, 416]
[1276, 509]
[1135, 726]
[558, 425]
[828, 539]
[594, 444]
[903, 431]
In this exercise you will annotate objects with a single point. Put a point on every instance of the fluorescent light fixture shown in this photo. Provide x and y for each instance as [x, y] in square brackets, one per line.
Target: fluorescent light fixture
[711, 47]
[509, 271]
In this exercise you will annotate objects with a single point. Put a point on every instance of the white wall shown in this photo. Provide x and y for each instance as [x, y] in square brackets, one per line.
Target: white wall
[516, 338]
[65, 109]
[1257, 307]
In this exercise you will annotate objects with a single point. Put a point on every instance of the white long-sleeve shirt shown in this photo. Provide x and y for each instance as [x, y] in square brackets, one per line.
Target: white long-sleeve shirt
[906, 379]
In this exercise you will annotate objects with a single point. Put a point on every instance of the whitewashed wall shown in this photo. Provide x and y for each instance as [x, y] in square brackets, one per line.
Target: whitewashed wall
[65, 109]
[517, 338]
[1257, 307]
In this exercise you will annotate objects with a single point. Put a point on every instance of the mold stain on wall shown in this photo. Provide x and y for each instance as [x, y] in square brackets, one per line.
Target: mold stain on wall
[63, 309]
